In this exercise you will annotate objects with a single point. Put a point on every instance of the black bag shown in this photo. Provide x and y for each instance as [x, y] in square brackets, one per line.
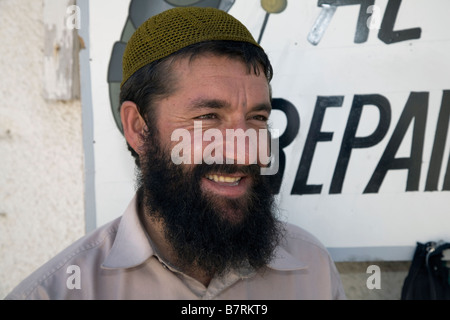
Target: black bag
[428, 276]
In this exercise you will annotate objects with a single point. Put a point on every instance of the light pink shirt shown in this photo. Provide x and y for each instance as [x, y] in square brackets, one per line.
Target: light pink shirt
[117, 261]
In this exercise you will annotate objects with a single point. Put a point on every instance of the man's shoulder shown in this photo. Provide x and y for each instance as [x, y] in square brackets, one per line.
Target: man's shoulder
[302, 243]
[92, 247]
[296, 235]
[309, 254]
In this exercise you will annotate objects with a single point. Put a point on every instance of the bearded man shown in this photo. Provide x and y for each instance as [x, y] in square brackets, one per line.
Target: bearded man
[196, 229]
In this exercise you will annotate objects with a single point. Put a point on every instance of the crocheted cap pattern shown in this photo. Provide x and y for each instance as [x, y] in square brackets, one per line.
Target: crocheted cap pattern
[174, 29]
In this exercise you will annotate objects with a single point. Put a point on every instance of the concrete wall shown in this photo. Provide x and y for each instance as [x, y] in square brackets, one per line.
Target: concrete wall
[42, 174]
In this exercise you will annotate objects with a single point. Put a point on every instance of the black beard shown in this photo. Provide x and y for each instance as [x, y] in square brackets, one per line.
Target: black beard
[209, 232]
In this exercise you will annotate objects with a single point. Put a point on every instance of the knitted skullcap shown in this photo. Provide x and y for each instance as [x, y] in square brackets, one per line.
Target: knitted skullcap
[174, 29]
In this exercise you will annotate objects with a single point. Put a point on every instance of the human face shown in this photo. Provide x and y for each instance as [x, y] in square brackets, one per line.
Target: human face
[223, 95]
[213, 225]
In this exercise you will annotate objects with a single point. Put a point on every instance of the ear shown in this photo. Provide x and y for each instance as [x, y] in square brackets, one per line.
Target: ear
[133, 125]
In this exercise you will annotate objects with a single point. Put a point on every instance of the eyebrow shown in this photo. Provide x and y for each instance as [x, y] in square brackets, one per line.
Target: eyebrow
[221, 104]
[263, 107]
[208, 104]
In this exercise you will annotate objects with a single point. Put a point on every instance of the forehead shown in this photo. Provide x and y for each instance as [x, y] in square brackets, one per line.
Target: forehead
[217, 75]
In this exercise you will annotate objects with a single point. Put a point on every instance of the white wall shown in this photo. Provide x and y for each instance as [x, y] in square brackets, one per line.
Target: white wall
[41, 172]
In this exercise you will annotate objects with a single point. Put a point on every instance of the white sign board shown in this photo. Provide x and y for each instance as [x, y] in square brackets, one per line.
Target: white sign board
[362, 100]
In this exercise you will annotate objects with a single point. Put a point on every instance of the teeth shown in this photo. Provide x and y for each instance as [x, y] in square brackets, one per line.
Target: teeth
[217, 178]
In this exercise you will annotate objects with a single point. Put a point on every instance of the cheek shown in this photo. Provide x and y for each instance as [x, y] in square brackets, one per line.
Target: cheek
[185, 146]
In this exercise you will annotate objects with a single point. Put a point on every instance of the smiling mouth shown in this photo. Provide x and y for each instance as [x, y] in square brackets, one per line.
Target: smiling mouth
[228, 180]
[227, 185]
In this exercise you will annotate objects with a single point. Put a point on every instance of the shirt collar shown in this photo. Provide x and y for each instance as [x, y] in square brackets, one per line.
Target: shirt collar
[132, 246]
[284, 261]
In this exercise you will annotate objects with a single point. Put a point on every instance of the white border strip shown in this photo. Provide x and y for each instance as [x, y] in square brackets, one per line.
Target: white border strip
[87, 119]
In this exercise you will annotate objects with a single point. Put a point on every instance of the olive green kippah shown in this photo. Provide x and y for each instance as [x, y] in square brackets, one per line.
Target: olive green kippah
[174, 29]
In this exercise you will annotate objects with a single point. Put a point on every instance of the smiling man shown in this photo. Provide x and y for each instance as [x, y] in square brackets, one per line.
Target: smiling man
[196, 229]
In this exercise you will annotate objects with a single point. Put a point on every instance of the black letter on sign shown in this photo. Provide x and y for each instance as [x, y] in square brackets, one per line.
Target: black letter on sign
[447, 176]
[416, 108]
[349, 141]
[289, 134]
[387, 33]
[362, 31]
[314, 135]
[439, 144]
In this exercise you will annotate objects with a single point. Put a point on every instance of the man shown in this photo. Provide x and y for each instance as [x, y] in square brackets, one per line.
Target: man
[199, 227]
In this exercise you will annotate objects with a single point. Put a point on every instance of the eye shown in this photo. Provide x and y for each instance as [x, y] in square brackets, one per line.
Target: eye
[208, 116]
[260, 117]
